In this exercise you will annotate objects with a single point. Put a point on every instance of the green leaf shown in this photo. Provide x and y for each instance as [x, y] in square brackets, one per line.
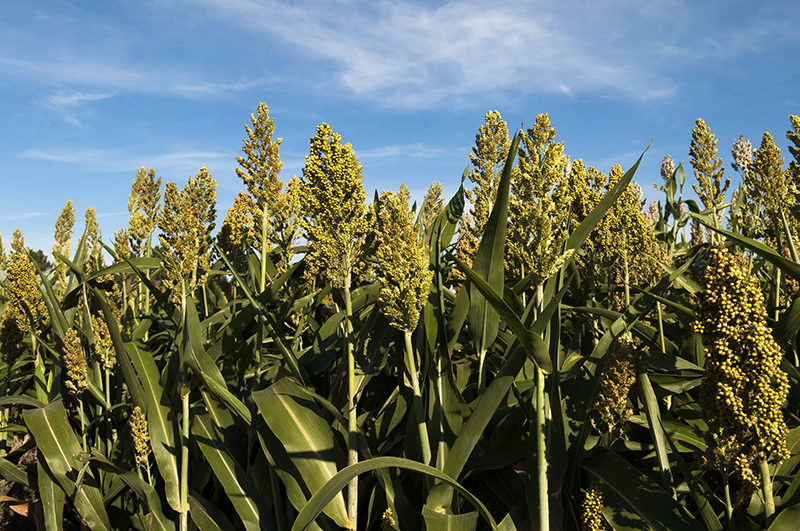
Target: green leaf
[449, 522]
[488, 265]
[132, 382]
[443, 228]
[295, 420]
[59, 446]
[51, 498]
[10, 472]
[533, 343]
[145, 492]
[240, 489]
[491, 399]
[162, 422]
[201, 363]
[207, 516]
[787, 519]
[699, 492]
[656, 430]
[639, 493]
[788, 266]
[586, 226]
[334, 486]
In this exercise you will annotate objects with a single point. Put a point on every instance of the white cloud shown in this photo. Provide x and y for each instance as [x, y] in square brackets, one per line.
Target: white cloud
[65, 104]
[63, 100]
[418, 151]
[20, 216]
[415, 55]
[177, 163]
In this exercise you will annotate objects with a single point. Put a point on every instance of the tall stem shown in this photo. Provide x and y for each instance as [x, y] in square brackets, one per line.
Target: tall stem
[352, 440]
[184, 478]
[541, 450]
[418, 411]
[83, 424]
[541, 454]
[728, 504]
[766, 487]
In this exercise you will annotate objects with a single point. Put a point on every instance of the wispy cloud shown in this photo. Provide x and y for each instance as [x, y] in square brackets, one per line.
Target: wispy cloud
[415, 55]
[177, 162]
[417, 151]
[67, 103]
[21, 216]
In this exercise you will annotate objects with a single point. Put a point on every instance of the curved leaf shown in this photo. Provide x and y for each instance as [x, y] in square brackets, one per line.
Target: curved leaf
[639, 493]
[533, 343]
[162, 422]
[59, 446]
[334, 486]
[238, 486]
[294, 419]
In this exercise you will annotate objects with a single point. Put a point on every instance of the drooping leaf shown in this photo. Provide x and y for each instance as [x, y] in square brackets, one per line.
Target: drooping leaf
[335, 485]
[240, 489]
[639, 493]
[59, 446]
[294, 419]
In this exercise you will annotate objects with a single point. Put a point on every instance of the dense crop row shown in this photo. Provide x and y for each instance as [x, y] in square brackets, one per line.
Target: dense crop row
[535, 352]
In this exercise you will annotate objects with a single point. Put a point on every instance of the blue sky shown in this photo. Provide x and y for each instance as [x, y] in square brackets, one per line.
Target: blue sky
[90, 91]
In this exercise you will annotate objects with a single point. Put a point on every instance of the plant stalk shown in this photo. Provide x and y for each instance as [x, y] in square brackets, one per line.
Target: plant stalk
[418, 411]
[184, 473]
[352, 417]
[766, 487]
[541, 449]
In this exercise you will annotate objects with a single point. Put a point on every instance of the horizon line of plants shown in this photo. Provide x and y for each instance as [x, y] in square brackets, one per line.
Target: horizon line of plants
[534, 353]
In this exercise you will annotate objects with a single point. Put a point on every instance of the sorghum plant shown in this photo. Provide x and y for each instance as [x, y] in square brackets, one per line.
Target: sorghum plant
[743, 388]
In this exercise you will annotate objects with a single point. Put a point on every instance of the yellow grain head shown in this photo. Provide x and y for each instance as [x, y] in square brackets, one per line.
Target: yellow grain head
[259, 168]
[141, 436]
[488, 156]
[25, 310]
[63, 234]
[708, 168]
[93, 258]
[334, 215]
[144, 205]
[402, 267]
[17, 241]
[75, 363]
[186, 222]
[538, 206]
[743, 388]
[432, 204]
[592, 518]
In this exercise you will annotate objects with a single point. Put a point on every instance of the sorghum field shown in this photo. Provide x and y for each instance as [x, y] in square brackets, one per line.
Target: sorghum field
[536, 352]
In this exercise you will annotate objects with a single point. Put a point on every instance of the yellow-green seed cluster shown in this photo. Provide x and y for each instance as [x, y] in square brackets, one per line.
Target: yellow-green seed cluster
[387, 521]
[236, 230]
[141, 437]
[402, 267]
[592, 518]
[743, 388]
[25, 310]
[186, 223]
[75, 363]
[538, 206]
[143, 206]
[334, 215]
[611, 409]
[63, 234]
[708, 168]
[104, 346]
[93, 257]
